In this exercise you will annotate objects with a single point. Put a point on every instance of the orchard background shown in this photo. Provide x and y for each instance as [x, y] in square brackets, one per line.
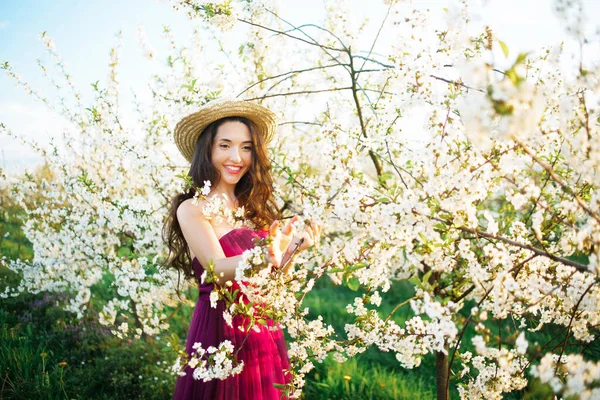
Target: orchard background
[455, 178]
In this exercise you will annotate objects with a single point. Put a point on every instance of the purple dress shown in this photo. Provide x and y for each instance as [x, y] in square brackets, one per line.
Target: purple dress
[264, 353]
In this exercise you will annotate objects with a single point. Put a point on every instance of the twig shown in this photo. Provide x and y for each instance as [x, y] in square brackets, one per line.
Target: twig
[299, 28]
[400, 305]
[387, 146]
[539, 252]
[456, 83]
[363, 128]
[375, 40]
[300, 122]
[298, 71]
[558, 180]
[314, 42]
[387, 66]
[464, 329]
[594, 282]
[288, 35]
[266, 96]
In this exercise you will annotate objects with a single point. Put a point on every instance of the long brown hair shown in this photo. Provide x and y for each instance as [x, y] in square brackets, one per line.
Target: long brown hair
[254, 191]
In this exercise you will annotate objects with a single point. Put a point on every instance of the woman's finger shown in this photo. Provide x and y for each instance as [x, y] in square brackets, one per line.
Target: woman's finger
[308, 239]
[311, 234]
[273, 230]
[272, 258]
[288, 234]
[313, 229]
[289, 228]
[317, 234]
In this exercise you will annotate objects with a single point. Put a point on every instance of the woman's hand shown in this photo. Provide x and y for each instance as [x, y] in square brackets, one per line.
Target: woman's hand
[279, 241]
[303, 240]
[274, 253]
[286, 243]
[287, 233]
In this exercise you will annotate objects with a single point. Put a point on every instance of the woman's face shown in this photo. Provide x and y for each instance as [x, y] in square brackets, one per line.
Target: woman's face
[232, 151]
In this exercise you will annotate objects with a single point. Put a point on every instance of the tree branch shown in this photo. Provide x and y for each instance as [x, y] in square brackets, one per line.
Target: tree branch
[375, 40]
[363, 128]
[298, 71]
[288, 35]
[594, 282]
[539, 252]
[297, 93]
[558, 180]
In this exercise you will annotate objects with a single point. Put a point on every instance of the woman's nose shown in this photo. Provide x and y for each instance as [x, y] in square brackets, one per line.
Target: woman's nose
[234, 155]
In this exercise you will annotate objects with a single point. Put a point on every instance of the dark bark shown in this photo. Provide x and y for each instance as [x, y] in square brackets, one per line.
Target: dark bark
[441, 376]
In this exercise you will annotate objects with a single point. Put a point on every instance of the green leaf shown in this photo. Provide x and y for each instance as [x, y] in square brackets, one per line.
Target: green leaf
[503, 108]
[353, 284]
[427, 276]
[414, 280]
[357, 266]
[513, 76]
[504, 48]
[521, 58]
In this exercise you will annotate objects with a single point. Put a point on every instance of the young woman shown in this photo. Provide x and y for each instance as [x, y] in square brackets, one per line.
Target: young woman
[225, 141]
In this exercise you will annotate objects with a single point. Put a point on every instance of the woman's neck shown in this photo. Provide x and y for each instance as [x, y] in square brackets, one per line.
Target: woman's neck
[228, 192]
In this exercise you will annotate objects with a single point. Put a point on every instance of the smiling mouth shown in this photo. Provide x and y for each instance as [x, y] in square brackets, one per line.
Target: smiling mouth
[233, 170]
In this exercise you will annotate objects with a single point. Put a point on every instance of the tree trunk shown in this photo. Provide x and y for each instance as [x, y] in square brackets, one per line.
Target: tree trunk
[441, 376]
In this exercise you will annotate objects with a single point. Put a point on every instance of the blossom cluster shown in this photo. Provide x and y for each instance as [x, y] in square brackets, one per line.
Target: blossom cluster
[575, 377]
[499, 370]
[210, 363]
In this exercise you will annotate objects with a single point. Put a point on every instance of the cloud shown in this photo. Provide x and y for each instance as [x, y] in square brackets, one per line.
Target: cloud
[4, 24]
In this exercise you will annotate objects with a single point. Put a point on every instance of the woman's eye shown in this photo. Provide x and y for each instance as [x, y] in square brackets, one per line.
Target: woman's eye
[247, 148]
[224, 146]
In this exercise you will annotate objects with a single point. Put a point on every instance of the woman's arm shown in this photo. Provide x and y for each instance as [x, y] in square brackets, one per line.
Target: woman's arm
[204, 243]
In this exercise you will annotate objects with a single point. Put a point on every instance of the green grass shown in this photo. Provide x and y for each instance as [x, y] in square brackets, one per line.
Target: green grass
[45, 353]
[358, 378]
[12, 241]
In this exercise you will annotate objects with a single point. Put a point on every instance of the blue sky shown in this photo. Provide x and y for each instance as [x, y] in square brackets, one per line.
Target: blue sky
[84, 31]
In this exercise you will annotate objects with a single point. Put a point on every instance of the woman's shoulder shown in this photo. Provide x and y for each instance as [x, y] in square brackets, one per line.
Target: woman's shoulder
[191, 208]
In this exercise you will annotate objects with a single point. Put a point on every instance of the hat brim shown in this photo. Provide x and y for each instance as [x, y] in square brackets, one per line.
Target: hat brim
[188, 130]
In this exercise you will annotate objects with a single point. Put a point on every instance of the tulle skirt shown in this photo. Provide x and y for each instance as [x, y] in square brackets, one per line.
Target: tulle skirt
[264, 354]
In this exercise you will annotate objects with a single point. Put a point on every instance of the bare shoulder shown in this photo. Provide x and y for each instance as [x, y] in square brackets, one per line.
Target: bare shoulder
[198, 232]
[190, 211]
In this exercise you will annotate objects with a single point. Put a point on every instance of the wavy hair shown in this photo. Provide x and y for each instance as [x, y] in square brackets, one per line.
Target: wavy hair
[254, 191]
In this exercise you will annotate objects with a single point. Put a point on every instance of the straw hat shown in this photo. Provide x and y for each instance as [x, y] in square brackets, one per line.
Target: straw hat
[189, 128]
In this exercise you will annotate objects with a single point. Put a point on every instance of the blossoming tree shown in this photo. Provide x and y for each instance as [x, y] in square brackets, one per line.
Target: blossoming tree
[492, 214]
